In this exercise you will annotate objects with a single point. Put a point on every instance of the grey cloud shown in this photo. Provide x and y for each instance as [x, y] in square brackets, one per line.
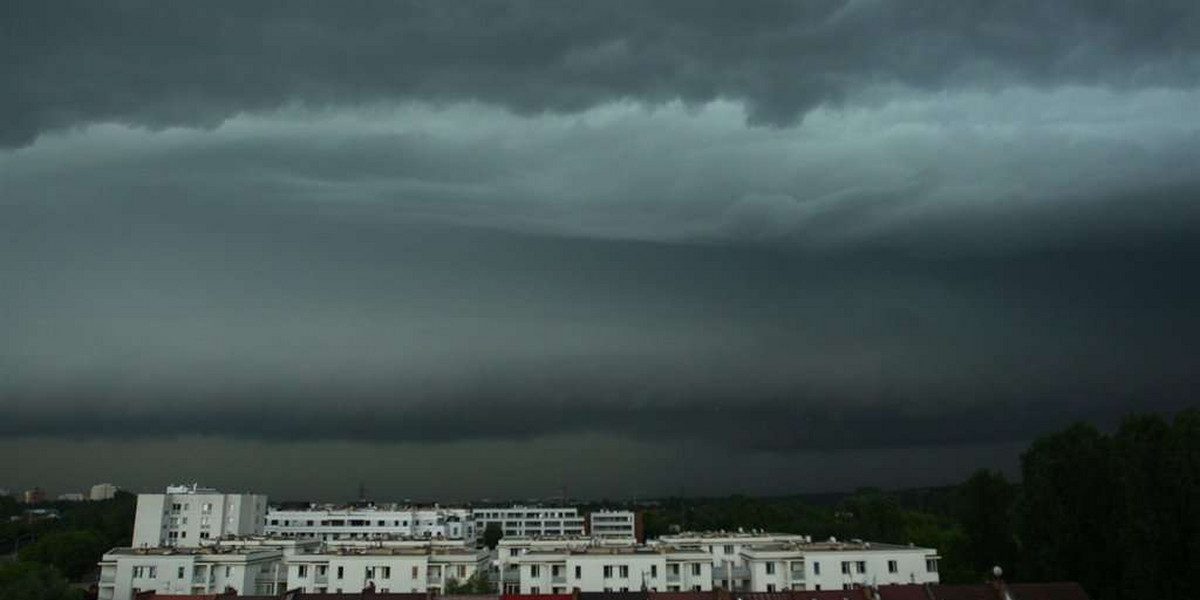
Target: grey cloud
[156, 64]
[219, 319]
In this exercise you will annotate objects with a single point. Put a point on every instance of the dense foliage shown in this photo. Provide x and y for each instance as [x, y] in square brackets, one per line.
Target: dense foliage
[34, 581]
[72, 544]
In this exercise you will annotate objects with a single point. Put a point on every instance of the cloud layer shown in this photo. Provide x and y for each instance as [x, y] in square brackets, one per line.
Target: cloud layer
[787, 228]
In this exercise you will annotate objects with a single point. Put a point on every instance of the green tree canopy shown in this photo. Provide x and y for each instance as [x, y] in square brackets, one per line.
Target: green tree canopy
[33, 581]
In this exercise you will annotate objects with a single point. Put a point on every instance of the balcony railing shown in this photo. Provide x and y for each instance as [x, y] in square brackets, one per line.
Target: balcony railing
[558, 579]
[672, 577]
[319, 578]
[797, 574]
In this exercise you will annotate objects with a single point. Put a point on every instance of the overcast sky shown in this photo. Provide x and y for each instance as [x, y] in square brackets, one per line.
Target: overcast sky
[470, 249]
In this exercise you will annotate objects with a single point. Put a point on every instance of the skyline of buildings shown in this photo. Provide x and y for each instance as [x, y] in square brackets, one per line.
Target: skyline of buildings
[196, 540]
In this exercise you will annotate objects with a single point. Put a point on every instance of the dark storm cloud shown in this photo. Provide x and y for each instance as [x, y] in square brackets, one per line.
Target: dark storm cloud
[214, 318]
[159, 64]
[737, 234]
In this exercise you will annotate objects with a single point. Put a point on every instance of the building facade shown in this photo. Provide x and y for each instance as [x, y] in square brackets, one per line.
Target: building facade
[187, 516]
[371, 523]
[384, 568]
[529, 521]
[614, 525]
[180, 571]
[613, 569]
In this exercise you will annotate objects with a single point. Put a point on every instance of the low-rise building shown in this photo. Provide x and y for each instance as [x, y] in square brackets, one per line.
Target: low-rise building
[247, 570]
[613, 569]
[103, 491]
[528, 521]
[620, 525]
[188, 516]
[385, 568]
[765, 562]
[371, 523]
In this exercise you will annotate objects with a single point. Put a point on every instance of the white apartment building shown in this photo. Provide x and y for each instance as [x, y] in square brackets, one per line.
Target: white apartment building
[185, 516]
[835, 565]
[103, 491]
[725, 547]
[387, 522]
[126, 571]
[386, 568]
[510, 549]
[527, 521]
[613, 569]
[766, 562]
[613, 525]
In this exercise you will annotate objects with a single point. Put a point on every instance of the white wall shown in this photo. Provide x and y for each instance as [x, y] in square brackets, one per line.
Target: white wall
[187, 519]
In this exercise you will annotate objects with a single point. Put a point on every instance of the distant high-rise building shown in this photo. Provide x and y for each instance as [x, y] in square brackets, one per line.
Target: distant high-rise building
[103, 491]
[187, 516]
[71, 497]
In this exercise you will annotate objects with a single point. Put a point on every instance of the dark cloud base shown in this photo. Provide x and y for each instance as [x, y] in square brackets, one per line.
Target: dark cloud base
[159, 64]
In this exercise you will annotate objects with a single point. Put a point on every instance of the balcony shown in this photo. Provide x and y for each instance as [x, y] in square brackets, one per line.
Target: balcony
[558, 579]
[797, 574]
[672, 577]
[320, 579]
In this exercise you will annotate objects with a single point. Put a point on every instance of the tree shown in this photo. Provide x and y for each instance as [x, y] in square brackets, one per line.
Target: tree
[1065, 514]
[986, 502]
[492, 534]
[33, 581]
[74, 553]
[477, 583]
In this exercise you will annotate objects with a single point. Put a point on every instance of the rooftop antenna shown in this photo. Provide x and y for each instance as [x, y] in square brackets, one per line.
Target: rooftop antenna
[362, 492]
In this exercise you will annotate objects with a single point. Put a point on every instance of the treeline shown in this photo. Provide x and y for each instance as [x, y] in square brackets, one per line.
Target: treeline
[1119, 513]
[50, 552]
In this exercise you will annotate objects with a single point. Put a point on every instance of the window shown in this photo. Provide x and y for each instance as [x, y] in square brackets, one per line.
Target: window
[535, 590]
[862, 566]
[931, 565]
[534, 571]
[341, 572]
[513, 552]
[770, 569]
[416, 572]
[370, 573]
[696, 568]
[673, 570]
[816, 568]
[654, 570]
[608, 570]
[893, 567]
[770, 587]
[387, 572]
[728, 548]
[817, 587]
[228, 571]
[179, 573]
[624, 571]
[578, 572]
[845, 567]
[624, 589]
